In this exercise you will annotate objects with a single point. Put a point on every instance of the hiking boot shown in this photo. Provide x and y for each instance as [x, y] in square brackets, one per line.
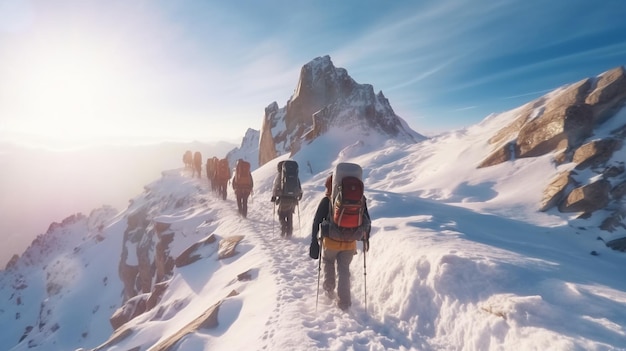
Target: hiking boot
[330, 294]
[343, 305]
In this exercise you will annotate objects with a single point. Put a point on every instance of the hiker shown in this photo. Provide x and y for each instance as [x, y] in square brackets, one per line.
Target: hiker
[213, 175]
[210, 171]
[337, 253]
[188, 159]
[222, 176]
[287, 192]
[242, 185]
[197, 164]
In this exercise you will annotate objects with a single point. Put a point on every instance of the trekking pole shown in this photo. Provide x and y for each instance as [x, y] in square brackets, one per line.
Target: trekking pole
[273, 218]
[299, 224]
[319, 272]
[365, 277]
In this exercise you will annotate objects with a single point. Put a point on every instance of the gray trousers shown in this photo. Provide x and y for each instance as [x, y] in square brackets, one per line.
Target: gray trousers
[343, 260]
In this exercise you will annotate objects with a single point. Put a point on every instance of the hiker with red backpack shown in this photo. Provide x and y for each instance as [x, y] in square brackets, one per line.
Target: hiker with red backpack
[286, 194]
[343, 219]
[222, 176]
[242, 185]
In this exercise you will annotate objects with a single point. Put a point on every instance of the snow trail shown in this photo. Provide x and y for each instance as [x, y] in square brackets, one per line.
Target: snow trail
[294, 323]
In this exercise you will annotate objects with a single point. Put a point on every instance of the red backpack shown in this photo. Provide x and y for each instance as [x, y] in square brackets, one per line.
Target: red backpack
[347, 220]
[243, 177]
[223, 170]
[348, 205]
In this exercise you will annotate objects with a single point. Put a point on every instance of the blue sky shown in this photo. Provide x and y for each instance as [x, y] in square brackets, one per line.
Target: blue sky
[205, 70]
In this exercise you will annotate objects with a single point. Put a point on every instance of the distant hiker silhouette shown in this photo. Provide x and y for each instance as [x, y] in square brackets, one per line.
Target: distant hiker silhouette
[188, 159]
[197, 164]
[242, 185]
[211, 170]
[342, 218]
[286, 193]
[222, 176]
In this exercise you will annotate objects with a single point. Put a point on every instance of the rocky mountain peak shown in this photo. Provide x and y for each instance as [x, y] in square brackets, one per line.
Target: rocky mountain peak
[248, 150]
[327, 97]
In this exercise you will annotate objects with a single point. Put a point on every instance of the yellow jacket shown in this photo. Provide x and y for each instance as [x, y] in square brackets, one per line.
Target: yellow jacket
[332, 244]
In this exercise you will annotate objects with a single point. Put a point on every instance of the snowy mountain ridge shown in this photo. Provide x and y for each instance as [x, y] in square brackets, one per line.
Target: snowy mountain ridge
[460, 259]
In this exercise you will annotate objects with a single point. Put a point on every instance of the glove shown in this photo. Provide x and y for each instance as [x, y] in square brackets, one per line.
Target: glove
[314, 250]
[366, 245]
[299, 197]
[273, 199]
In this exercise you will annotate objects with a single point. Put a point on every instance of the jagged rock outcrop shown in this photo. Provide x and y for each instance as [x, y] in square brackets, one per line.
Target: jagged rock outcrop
[561, 123]
[12, 262]
[614, 221]
[207, 320]
[595, 153]
[560, 128]
[325, 96]
[193, 253]
[556, 190]
[608, 95]
[131, 309]
[134, 254]
[248, 150]
[163, 262]
[588, 198]
[227, 246]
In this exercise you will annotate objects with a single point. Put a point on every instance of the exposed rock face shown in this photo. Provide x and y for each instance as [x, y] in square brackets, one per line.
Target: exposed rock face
[12, 262]
[131, 309]
[557, 189]
[614, 221]
[131, 274]
[557, 129]
[248, 151]
[587, 198]
[227, 246]
[163, 262]
[608, 94]
[207, 320]
[595, 152]
[326, 95]
[561, 123]
[500, 155]
[193, 253]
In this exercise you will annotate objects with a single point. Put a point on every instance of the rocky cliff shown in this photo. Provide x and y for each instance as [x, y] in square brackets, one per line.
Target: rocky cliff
[583, 126]
[327, 96]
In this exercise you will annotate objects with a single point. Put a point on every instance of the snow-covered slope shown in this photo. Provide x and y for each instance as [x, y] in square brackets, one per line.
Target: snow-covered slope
[460, 259]
[248, 150]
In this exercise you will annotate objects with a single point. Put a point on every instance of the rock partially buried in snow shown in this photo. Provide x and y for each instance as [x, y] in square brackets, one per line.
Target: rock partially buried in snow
[228, 245]
[192, 253]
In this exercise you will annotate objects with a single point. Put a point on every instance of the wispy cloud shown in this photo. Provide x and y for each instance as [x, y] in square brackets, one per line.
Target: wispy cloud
[467, 108]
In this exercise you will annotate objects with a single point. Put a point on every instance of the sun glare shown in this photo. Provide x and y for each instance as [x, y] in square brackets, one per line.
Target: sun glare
[63, 91]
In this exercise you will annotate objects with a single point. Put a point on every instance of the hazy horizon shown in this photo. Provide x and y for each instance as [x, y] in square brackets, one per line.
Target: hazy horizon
[40, 186]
